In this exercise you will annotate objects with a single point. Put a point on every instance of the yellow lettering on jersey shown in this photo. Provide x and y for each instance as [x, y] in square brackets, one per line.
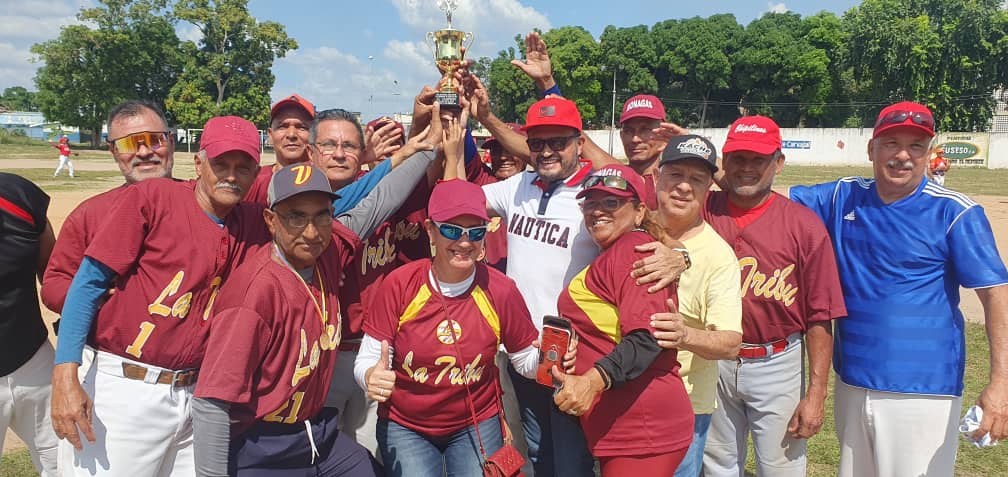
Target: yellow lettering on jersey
[469, 373]
[302, 371]
[292, 417]
[381, 253]
[214, 288]
[158, 308]
[181, 307]
[330, 338]
[420, 375]
[136, 348]
[406, 230]
[774, 287]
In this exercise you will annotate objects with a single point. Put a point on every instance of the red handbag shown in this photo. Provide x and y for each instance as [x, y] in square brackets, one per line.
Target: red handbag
[507, 461]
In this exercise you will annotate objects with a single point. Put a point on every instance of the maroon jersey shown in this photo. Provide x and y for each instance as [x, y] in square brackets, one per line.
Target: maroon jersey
[650, 194]
[77, 231]
[431, 369]
[170, 259]
[399, 240]
[495, 242]
[648, 414]
[789, 272]
[260, 187]
[271, 350]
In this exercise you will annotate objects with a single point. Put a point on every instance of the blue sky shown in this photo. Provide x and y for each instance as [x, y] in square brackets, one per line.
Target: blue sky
[369, 56]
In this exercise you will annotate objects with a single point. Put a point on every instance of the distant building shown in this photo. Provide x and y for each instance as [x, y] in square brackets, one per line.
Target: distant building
[34, 125]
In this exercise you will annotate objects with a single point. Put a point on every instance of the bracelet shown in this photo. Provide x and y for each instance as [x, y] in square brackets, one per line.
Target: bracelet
[685, 256]
[606, 380]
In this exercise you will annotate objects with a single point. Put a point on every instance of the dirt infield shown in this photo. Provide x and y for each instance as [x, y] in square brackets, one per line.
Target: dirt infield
[64, 201]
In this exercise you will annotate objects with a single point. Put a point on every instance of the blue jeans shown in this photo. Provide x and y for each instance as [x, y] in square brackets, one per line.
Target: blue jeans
[556, 443]
[691, 464]
[406, 452]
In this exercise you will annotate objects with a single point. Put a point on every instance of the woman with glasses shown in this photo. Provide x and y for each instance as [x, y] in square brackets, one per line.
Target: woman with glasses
[633, 405]
[431, 334]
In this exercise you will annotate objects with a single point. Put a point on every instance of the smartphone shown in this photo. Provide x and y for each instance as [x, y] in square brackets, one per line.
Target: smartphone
[556, 337]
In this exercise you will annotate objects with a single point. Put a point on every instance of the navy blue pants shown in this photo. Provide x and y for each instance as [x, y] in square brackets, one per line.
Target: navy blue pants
[273, 449]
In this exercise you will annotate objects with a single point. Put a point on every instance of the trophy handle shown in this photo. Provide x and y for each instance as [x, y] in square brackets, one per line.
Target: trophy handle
[467, 39]
[431, 43]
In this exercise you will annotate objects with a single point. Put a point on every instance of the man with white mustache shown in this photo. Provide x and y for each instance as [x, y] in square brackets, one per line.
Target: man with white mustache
[904, 245]
[165, 249]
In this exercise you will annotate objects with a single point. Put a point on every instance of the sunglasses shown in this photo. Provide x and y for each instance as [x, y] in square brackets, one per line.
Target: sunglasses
[615, 182]
[898, 117]
[130, 144]
[454, 232]
[556, 144]
[609, 204]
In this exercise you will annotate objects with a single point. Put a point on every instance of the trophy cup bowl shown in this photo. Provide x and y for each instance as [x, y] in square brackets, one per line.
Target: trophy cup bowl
[447, 47]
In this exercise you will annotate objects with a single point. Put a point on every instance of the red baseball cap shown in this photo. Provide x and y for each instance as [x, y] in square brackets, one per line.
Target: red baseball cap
[514, 127]
[455, 198]
[230, 133]
[905, 114]
[553, 112]
[597, 181]
[380, 122]
[643, 106]
[758, 134]
[294, 100]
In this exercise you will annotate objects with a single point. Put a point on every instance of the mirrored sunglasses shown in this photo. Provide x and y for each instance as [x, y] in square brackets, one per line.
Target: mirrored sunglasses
[615, 182]
[130, 144]
[919, 118]
[454, 232]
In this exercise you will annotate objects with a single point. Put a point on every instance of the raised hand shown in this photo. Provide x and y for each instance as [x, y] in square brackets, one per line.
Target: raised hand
[537, 64]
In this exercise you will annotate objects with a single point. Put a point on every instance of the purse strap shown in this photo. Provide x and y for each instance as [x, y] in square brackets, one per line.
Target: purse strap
[458, 354]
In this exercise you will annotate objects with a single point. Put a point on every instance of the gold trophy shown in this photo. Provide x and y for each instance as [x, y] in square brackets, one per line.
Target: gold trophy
[447, 46]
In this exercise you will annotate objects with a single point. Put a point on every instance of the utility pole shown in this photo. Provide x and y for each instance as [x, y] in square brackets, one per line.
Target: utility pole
[612, 119]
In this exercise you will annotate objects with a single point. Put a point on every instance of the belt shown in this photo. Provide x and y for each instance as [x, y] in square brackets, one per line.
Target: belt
[353, 346]
[763, 350]
[175, 378]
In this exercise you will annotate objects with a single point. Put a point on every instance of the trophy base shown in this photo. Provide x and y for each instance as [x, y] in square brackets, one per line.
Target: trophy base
[448, 100]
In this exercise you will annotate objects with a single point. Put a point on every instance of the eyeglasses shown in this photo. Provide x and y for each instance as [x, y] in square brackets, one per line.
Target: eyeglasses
[130, 144]
[328, 148]
[615, 182]
[454, 232]
[609, 204]
[555, 143]
[919, 118]
[299, 221]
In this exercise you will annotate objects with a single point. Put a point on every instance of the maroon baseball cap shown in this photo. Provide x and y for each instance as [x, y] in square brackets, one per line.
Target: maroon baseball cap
[758, 134]
[553, 112]
[905, 114]
[380, 122]
[230, 133]
[631, 185]
[294, 100]
[643, 106]
[514, 127]
[455, 198]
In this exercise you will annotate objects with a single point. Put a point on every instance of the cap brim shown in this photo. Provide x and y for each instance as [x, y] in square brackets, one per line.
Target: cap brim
[890, 127]
[449, 214]
[216, 149]
[686, 157]
[290, 102]
[607, 190]
[754, 146]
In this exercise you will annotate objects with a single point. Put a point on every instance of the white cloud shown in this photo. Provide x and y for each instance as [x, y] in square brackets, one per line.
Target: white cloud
[188, 32]
[776, 7]
[16, 68]
[24, 23]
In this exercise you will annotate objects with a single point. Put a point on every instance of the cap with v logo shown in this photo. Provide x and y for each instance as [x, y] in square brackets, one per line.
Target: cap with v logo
[297, 179]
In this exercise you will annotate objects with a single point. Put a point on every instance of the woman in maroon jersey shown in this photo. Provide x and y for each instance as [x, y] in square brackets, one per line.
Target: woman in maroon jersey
[633, 405]
[431, 334]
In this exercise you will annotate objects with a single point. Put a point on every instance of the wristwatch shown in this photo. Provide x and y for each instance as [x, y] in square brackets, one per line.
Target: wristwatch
[685, 256]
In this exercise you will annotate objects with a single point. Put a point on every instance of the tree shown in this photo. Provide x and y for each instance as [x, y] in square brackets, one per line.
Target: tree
[228, 72]
[18, 98]
[575, 56]
[938, 52]
[132, 54]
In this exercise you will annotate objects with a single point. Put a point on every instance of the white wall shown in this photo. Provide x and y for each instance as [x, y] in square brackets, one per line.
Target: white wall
[836, 147]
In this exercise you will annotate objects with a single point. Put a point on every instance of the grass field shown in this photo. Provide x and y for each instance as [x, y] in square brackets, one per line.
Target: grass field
[823, 449]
